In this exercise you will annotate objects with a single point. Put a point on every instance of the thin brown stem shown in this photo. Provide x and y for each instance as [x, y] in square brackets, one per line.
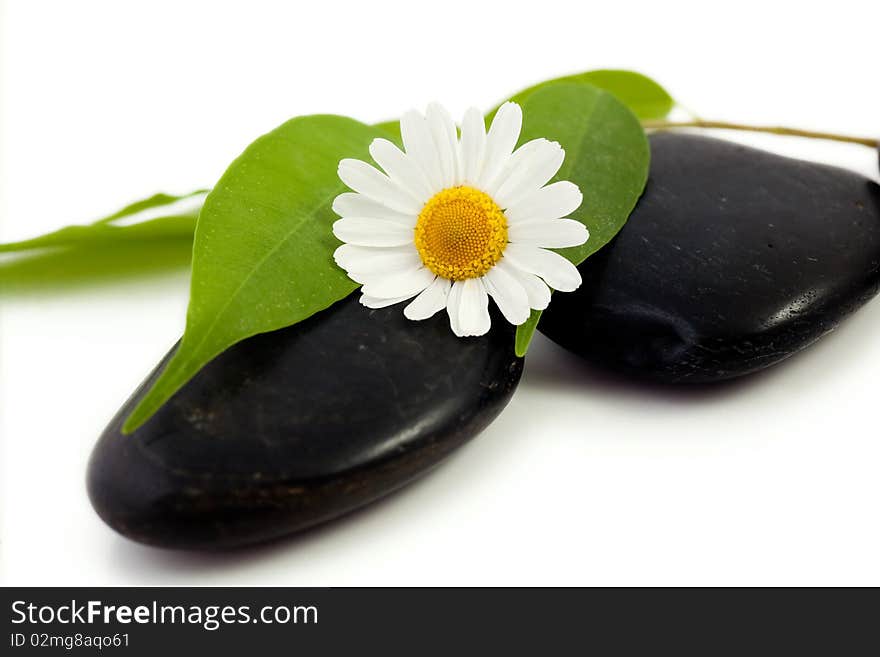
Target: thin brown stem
[776, 130]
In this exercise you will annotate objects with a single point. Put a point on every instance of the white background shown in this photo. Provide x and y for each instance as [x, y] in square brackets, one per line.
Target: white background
[583, 479]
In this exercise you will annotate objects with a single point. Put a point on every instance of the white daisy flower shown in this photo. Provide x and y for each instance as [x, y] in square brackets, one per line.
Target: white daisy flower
[454, 221]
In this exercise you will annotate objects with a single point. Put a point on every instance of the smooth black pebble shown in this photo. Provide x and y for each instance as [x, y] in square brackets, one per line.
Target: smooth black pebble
[295, 427]
[734, 259]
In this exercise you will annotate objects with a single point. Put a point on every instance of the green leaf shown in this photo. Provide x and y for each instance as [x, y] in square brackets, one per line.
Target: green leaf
[105, 230]
[262, 257]
[83, 267]
[154, 201]
[606, 155]
[644, 97]
[181, 225]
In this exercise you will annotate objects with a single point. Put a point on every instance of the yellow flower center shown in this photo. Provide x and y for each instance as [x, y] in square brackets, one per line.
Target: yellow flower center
[461, 233]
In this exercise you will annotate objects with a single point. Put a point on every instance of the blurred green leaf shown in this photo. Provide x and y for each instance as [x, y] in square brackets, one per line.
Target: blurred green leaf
[154, 201]
[180, 226]
[107, 229]
[68, 269]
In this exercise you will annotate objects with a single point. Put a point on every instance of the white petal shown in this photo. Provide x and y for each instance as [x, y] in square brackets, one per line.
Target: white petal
[372, 232]
[430, 301]
[550, 202]
[453, 307]
[526, 151]
[536, 289]
[473, 146]
[556, 271]
[443, 131]
[375, 302]
[419, 145]
[520, 155]
[553, 234]
[400, 284]
[401, 169]
[530, 174]
[509, 295]
[352, 204]
[500, 141]
[358, 278]
[473, 311]
[370, 260]
[368, 180]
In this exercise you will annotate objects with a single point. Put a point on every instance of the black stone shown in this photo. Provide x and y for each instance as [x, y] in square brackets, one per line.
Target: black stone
[733, 259]
[292, 428]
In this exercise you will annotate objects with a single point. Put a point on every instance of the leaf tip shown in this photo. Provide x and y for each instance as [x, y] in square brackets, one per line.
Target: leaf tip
[524, 333]
[156, 396]
[134, 420]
